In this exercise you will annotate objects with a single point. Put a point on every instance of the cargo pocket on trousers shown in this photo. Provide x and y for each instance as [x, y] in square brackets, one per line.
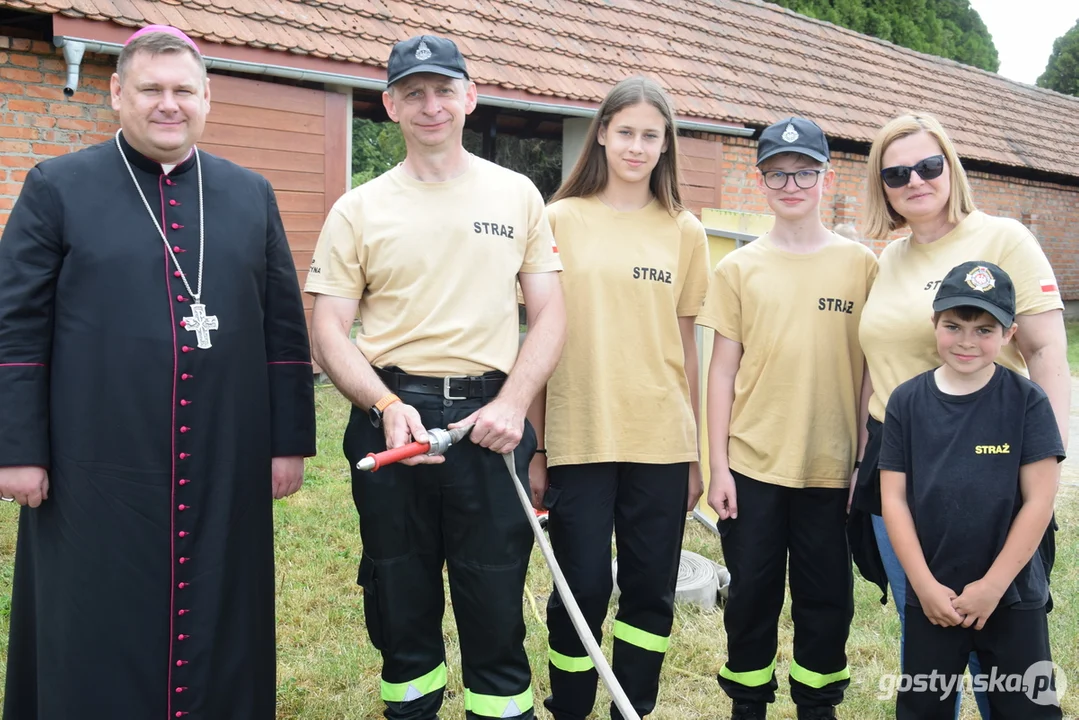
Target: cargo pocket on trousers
[550, 498]
[368, 580]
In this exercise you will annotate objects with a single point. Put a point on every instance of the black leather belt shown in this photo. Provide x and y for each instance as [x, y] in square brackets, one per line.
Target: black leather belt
[451, 387]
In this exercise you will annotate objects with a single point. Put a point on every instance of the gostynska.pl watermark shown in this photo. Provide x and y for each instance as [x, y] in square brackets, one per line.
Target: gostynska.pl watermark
[1043, 682]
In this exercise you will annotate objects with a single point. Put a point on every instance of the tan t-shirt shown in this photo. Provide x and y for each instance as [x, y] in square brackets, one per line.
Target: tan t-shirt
[795, 416]
[897, 328]
[434, 266]
[619, 393]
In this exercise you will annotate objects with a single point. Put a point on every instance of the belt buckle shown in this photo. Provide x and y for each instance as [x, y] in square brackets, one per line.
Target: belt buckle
[446, 387]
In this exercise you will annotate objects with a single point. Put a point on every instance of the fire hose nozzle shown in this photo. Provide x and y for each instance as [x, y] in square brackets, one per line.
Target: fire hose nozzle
[438, 442]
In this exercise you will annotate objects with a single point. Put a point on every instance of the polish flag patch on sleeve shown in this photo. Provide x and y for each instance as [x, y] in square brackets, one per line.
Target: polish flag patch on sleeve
[1048, 286]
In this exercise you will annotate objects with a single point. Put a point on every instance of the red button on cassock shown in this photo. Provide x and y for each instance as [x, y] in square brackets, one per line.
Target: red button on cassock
[181, 663]
[181, 637]
[172, 202]
[184, 507]
[182, 585]
[176, 273]
[183, 533]
[169, 182]
[183, 323]
[176, 226]
[183, 560]
[181, 298]
[185, 402]
[185, 456]
[185, 348]
[184, 428]
[184, 481]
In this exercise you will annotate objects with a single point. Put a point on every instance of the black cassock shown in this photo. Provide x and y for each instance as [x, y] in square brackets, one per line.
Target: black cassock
[144, 585]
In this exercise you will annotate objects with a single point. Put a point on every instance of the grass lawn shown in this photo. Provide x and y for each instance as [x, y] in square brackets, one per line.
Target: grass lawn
[329, 671]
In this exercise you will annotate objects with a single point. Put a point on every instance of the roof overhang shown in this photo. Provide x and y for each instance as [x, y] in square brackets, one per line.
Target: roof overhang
[108, 38]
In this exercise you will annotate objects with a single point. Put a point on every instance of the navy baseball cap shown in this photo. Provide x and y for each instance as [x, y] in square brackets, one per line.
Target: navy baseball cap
[793, 135]
[978, 284]
[425, 54]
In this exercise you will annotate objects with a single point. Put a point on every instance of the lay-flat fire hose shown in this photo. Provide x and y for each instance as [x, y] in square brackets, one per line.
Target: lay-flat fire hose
[440, 441]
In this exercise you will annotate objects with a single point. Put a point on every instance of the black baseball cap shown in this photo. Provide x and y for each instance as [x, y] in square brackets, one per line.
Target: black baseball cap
[796, 135]
[978, 284]
[425, 54]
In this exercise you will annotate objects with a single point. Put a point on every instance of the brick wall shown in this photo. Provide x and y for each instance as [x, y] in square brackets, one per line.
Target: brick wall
[1050, 211]
[36, 120]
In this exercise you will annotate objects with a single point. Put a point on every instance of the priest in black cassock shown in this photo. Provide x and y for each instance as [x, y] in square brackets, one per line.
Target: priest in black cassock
[155, 394]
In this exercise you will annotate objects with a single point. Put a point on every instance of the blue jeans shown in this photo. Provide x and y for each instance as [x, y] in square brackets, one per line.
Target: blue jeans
[897, 581]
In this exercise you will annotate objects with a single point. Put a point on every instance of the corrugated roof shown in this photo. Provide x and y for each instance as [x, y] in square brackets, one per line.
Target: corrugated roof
[727, 60]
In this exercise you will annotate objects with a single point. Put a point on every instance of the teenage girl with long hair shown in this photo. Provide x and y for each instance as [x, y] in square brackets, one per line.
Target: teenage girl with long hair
[620, 420]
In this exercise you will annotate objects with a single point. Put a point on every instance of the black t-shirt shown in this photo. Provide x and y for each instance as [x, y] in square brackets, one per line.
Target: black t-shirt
[961, 455]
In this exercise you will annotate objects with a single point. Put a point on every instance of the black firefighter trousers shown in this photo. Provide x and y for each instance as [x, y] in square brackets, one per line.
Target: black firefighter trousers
[645, 507]
[809, 524]
[464, 513]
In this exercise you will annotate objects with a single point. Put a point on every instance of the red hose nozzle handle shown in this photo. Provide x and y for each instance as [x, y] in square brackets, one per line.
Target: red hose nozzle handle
[439, 441]
[374, 461]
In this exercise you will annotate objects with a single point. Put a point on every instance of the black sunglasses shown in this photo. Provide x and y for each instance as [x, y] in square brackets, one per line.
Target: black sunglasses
[899, 175]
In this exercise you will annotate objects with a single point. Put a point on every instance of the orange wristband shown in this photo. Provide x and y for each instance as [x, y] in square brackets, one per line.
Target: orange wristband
[385, 402]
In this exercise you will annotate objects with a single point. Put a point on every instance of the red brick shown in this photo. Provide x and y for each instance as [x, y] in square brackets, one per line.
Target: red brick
[41, 47]
[20, 44]
[10, 88]
[5, 42]
[26, 61]
[7, 203]
[50, 149]
[107, 127]
[94, 138]
[12, 189]
[17, 161]
[13, 146]
[45, 91]
[54, 64]
[73, 124]
[67, 110]
[19, 133]
[31, 106]
[43, 121]
[26, 76]
[18, 175]
[95, 70]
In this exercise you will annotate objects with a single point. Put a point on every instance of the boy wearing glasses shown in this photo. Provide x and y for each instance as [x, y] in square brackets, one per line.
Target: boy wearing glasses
[785, 405]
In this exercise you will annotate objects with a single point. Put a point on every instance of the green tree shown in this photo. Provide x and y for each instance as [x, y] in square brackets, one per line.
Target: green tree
[376, 147]
[379, 146]
[1062, 72]
[947, 28]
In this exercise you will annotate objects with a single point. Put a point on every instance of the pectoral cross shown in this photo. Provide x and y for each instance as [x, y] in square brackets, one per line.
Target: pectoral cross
[201, 324]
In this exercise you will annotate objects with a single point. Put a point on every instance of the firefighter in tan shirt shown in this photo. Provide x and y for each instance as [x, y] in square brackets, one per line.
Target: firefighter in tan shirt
[785, 386]
[428, 253]
[620, 421]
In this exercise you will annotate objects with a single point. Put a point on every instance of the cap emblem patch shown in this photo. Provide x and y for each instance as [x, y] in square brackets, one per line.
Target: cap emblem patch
[423, 52]
[790, 134]
[981, 279]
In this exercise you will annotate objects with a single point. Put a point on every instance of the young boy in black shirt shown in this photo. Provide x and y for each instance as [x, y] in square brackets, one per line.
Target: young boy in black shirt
[969, 470]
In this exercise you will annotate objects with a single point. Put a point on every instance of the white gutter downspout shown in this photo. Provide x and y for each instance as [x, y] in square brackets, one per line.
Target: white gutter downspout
[340, 79]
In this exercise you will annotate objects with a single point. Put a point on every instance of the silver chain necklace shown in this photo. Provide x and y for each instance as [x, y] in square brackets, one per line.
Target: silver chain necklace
[200, 323]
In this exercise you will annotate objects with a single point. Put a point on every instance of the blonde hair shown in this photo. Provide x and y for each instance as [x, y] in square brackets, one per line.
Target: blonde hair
[589, 174]
[881, 217]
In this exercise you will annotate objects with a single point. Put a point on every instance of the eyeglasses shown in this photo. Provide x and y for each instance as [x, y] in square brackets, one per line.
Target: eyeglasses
[804, 179]
[899, 175]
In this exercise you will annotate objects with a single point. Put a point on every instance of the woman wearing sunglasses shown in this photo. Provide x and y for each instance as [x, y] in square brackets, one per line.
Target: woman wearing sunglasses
[918, 185]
